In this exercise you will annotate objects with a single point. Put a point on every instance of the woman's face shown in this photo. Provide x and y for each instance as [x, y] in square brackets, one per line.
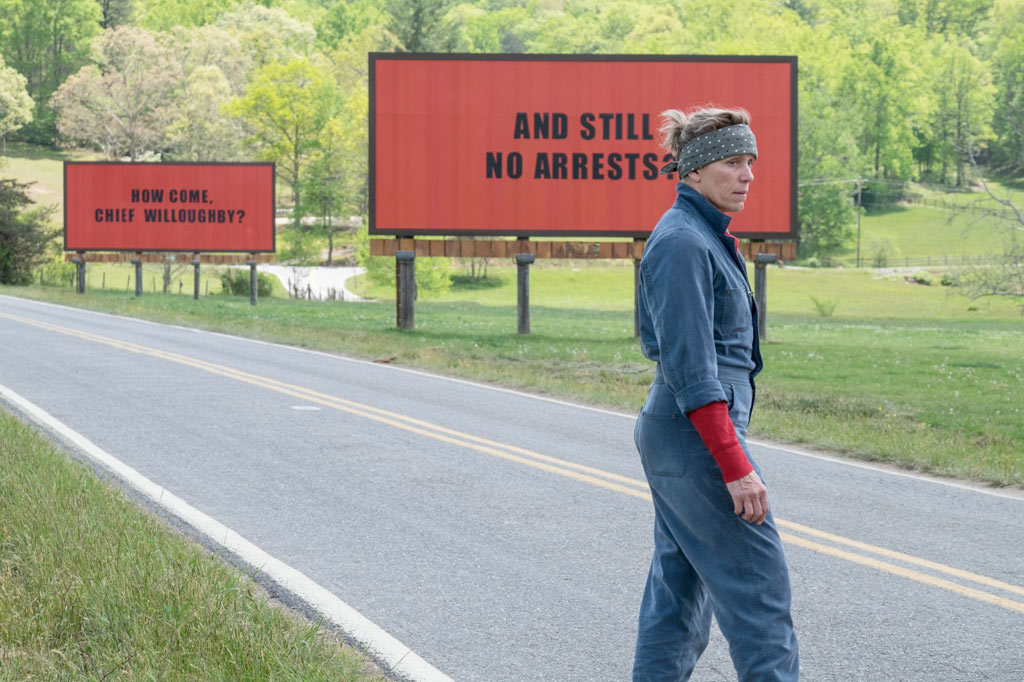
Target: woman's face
[725, 182]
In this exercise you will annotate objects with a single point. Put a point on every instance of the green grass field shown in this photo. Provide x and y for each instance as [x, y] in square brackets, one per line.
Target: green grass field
[93, 588]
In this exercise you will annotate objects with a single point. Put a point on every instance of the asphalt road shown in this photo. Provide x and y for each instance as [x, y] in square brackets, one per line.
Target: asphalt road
[506, 537]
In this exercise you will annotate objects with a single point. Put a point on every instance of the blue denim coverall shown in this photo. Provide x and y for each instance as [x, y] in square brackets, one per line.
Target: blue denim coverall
[697, 322]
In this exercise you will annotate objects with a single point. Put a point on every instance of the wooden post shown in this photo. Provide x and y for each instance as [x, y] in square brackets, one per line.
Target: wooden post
[137, 262]
[195, 279]
[523, 262]
[405, 288]
[253, 280]
[79, 262]
[636, 294]
[760, 294]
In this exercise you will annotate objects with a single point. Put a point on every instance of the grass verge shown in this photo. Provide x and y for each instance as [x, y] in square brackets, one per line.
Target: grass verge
[91, 587]
[938, 394]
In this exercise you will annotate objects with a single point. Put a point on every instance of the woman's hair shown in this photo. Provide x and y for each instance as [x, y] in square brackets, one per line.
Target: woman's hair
[678, 128]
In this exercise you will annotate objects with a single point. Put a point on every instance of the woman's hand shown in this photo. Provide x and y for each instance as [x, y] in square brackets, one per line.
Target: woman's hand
[749, 497]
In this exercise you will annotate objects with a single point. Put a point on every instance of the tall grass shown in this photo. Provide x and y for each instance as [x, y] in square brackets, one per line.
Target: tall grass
[92, 588]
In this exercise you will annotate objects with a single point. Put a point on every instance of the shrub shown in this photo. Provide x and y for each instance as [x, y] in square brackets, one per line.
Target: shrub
[235, 282]
[824, 306]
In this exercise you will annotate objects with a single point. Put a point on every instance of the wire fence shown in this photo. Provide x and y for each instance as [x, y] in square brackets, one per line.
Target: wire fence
[879, 260]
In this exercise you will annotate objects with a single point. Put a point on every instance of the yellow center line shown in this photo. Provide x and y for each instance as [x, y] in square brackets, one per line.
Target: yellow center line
[597, 477]
[908, 573]
[900, 556]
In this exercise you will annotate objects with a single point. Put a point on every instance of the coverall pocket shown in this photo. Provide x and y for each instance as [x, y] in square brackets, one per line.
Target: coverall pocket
[658, 440]
[732, 311]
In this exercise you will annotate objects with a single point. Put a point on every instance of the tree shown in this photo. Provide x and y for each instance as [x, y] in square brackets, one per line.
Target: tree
[963, 114]
[162, 15]
[45, 41]
[24, 234]
[199, 47]
[335, 190]
[423, 25]
[285, 109]
[958, 17]
[15, 104]
[348, 17]
[125, 102]
[1006, 46]
[116, 12]
[200, 130]
[268, 35]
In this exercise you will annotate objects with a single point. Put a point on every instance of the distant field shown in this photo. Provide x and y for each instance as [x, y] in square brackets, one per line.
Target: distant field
[856, 294]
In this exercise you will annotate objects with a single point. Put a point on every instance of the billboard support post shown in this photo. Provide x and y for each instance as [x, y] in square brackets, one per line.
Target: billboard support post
[761, 262]
[195, 276]
[79, 262]
[405, 283]
[253, 280]
[137, 262]
[523, 262]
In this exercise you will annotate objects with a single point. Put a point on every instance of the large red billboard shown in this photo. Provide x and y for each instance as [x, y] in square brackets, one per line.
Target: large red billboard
[562, 145]
[168, 206]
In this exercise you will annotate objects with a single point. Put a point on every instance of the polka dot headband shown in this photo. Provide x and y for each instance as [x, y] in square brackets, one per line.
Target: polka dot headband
[710, 147]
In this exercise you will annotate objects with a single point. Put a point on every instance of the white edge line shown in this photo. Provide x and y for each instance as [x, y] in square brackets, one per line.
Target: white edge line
[380, 645]
[556, 401]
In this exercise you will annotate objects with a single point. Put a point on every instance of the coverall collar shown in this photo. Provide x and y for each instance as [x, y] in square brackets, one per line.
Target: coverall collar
[718, 221]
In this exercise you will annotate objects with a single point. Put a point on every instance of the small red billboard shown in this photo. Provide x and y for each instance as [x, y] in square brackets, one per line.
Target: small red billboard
[562, 145]
[168, 206]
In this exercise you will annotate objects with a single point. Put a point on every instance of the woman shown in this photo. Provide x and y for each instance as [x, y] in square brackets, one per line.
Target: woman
[716, 548]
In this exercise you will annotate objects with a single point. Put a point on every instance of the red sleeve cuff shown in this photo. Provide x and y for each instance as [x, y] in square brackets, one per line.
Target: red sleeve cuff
[719, 435]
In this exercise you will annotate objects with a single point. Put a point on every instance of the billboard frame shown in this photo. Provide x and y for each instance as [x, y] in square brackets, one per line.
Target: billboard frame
[794, 225]
[273, 204]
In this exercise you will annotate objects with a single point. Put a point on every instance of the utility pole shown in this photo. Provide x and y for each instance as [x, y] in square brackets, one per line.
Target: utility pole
[860, 188]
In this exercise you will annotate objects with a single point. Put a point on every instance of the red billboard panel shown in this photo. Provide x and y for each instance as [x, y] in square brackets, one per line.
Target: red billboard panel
[168, 206]
[562, 145]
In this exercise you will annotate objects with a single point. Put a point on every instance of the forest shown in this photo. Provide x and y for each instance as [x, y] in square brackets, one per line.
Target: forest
[890, 91]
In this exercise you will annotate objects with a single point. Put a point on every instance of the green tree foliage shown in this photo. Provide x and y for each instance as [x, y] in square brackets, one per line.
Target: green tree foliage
[423, 25]
[344, 18]
[285, 109]
[964, 96]
[24, 233]
[1006, 47]
[116, 12]
[268, 35]
[200, 131]
[891, 90]
[163, 15]
[124, 102]
[46, 41]
[15, 104]
[958, 17]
